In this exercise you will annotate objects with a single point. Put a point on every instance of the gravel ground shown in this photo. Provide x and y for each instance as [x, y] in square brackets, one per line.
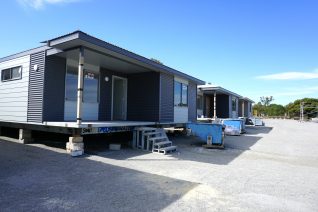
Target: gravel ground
[272, 168]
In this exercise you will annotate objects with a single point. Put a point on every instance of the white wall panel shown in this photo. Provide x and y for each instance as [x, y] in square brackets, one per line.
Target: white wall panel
[89, 111]
[181, 114]
[14, 94]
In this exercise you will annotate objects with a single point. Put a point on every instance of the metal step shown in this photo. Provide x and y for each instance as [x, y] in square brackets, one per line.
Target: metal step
[166, 150]
[152, 133]
[157, 138]
[163, 143]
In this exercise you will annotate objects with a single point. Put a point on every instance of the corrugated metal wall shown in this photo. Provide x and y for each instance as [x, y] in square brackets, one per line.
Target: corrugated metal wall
[222, 106]
[105, 92]
[14, 93]
[54, 89]
[240, 105]
[36, 82]
[143, 97]
[246, 112]
[105, 101]
[192, 102]
[166, 97]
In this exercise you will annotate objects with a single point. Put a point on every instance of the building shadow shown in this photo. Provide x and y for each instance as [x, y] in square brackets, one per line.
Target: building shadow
[33, 178]
[94, 144]
[254, 130]
[191, 149]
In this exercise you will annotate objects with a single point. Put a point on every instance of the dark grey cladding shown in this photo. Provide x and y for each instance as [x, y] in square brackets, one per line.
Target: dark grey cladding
[166, 97]
[54, 89]
[143, 97]
[192, 102]
[105, 102]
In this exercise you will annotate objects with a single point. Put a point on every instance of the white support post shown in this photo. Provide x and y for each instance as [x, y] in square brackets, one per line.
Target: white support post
[134, 141]
[80, 86]
[243, 109]
[302, 111]
[214, 106]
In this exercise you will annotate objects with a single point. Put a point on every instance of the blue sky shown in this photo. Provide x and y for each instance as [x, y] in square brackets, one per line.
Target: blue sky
[254, 48]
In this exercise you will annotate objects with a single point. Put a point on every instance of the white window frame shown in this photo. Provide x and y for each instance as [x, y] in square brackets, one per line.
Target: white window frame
[11, 69]
[87, 67]
[180, 104]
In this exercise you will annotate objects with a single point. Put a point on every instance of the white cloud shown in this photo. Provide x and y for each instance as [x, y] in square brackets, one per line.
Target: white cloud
[39, 4]
[300, 91]
[290, 76]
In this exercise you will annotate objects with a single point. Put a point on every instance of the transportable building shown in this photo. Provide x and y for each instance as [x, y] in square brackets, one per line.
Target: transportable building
[245, 107]
[217, 102]
[79, 84]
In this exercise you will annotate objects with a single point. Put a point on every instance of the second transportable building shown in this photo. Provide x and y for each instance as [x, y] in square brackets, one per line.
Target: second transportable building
[217, 102]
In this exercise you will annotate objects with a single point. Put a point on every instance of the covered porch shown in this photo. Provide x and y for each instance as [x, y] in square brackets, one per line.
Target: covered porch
[245, 107]
[217, 102]
[88, 82]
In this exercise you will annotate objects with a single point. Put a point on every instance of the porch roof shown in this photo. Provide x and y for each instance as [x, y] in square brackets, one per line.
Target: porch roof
[78, 38]
[210, 89]
[247, 99]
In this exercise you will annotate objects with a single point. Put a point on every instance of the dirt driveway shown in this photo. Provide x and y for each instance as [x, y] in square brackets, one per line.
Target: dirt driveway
[272, 168]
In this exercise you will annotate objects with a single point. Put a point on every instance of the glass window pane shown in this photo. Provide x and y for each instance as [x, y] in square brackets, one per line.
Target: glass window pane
[71, 84]
[233, 104]
[200, 102]
[16, 73]
[177, 93]
[5, 74]
[184, 95]
[90, 86]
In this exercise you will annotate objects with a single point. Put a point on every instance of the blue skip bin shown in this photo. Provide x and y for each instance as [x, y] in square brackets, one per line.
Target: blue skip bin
[203, 130]
[237, 124]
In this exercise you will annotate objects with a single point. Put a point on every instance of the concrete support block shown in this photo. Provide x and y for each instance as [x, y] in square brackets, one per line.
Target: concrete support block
[75, 146]
[76, 139]
[25, 136]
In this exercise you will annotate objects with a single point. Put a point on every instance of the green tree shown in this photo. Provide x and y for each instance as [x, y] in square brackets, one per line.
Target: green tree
[156, 61]
[260, 107]
[266, 100]
[275, 110]
[310, 108]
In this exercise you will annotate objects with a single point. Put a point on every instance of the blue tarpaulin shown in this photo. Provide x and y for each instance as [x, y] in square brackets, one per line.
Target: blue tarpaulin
[203, 130]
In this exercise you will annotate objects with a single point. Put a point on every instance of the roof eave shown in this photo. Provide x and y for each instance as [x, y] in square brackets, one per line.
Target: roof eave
[90, 39]
[220, 89]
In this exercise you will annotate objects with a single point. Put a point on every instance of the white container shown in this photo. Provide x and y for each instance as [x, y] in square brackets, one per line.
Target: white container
[314, 120]
[114, 147]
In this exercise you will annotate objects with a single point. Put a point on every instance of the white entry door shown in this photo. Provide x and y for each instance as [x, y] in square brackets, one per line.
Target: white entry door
[119, 98]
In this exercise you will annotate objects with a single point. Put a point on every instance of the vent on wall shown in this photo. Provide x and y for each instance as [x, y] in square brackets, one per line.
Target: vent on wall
[36, 81]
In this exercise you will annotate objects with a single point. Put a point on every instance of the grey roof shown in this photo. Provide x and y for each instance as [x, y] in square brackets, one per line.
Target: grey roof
[247, 99]
[79, 35]
[24, 53]
[212, 88]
